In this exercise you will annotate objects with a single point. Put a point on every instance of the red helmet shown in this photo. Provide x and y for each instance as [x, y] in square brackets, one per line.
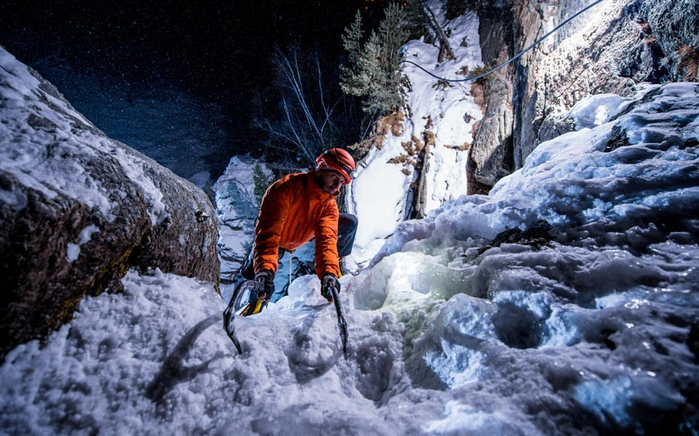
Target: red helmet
[337, 159]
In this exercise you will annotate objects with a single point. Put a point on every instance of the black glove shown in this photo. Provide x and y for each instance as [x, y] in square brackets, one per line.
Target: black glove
[327, 282]
[266, 277]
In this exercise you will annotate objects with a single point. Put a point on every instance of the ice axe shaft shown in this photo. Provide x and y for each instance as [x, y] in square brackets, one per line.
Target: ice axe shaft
[229, 326]
[342, 322]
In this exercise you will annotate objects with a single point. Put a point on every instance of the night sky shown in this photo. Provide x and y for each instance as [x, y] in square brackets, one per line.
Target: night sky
[201, 45]
[215, 50]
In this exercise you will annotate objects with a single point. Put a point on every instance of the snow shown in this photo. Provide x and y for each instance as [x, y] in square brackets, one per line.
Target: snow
[597, 110]
[85, 236]
[593, 332]
[380, 212]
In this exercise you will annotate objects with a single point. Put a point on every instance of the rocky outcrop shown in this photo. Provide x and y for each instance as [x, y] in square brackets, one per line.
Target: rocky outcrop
[487, 164]
[611, 47]
[78, 210]
[491, 153]
[238, 194]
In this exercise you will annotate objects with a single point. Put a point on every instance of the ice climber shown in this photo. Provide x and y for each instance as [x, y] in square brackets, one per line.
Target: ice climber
[294, 210]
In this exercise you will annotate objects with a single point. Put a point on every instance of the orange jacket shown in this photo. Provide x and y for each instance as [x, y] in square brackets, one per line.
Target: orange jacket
[294, 210]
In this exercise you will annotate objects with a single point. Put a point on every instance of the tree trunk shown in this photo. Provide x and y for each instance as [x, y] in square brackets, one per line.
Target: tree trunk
[445, 51]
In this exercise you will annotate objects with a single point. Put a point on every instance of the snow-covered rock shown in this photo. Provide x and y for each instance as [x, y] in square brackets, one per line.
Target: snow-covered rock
[609, 48]
[79, 209]
[237, 206]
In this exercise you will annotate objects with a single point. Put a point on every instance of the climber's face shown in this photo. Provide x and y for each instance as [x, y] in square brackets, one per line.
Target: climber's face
[330, 181]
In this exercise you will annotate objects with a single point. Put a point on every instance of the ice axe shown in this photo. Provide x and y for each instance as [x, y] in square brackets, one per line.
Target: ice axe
[244, 296]
[341, 321]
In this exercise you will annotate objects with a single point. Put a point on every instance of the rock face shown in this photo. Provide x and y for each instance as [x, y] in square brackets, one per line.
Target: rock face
[238, 194]
[611, 47]
[78, 210]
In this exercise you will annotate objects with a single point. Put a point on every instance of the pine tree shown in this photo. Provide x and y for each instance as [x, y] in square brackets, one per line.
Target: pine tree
[374, 71]
[393, 33]
[352, 39]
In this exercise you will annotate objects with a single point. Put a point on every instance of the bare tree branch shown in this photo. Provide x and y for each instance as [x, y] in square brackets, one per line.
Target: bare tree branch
[310, 113]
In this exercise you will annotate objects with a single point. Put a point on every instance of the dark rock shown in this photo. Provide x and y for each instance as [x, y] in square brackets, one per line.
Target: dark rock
[536, 236]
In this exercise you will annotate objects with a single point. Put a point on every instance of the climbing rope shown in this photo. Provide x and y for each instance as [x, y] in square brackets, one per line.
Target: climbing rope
[369, 125]
[468, 79]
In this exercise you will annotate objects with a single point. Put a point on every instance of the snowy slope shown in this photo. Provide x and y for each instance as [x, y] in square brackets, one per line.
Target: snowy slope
[593, 332]
[446, 111]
